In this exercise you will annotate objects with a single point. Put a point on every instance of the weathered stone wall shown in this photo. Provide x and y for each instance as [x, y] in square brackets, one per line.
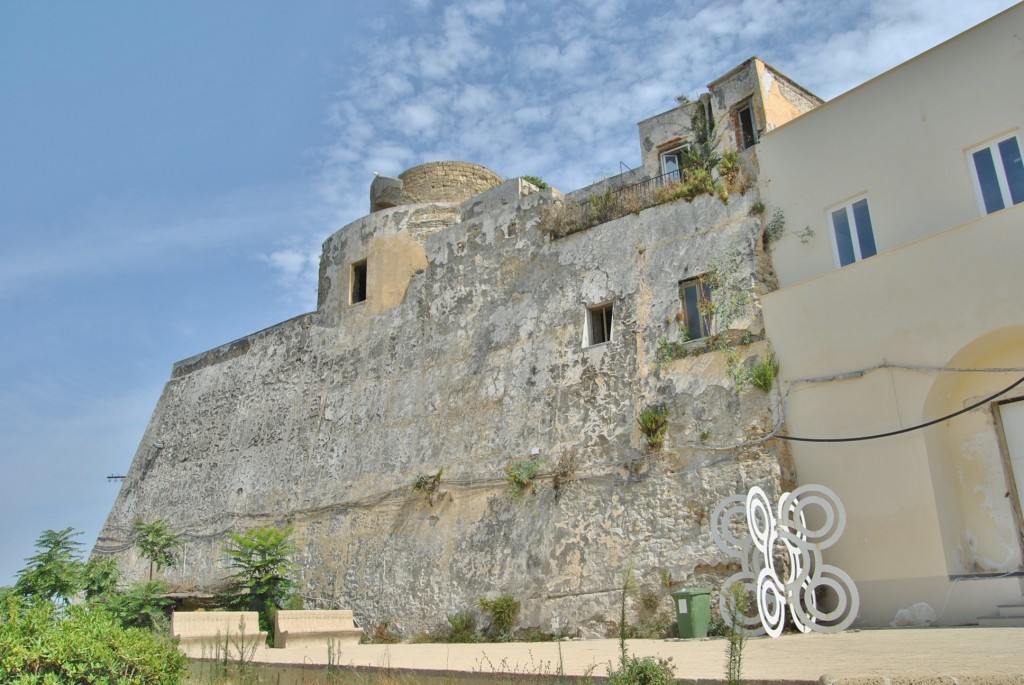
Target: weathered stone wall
[323, 422]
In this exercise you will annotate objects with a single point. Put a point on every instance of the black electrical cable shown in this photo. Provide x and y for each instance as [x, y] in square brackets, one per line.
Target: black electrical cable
[977, 404]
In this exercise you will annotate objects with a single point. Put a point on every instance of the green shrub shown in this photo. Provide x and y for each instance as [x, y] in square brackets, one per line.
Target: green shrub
[537, 181]
[521, 473]
[643, 671]
[504, 613]
[653, 422]
[461, 628]
[263, 570]
[763, 373]
[86, 646]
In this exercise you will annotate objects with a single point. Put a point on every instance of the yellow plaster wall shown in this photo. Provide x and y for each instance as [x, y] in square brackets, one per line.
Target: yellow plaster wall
[901, 140]
[927, 504]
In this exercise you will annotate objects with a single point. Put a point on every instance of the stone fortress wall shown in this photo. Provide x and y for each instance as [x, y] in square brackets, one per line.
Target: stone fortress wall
[470, 352]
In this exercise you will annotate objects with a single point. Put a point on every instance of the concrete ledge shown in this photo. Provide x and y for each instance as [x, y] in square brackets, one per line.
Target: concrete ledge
[315, 628]
[205, 630]
[925, 678]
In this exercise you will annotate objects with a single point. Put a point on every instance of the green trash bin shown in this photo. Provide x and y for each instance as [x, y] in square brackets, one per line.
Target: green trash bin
[693, 611]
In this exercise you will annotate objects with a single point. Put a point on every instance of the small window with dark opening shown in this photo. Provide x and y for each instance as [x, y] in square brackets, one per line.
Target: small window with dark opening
[695, 297]
[599, 324]
[747, 131]
[359, 282]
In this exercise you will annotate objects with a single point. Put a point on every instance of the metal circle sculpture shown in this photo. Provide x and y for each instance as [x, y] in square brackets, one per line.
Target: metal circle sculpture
[780, 557]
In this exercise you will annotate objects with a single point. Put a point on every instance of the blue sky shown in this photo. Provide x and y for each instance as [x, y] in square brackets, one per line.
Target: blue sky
[168, 170]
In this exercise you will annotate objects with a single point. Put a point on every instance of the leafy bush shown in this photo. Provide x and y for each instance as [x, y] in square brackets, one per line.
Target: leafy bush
[521, 473]
[157, 542]
[87, 646]
[763, 373]
[504, 613]
[142, 605]
[643, 671]
[262, 581]
[55, 571]
[537, 181]
[653, 421]
[774, 227]
[461, 628]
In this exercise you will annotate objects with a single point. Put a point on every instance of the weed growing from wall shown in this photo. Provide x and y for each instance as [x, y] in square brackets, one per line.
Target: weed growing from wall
[504, 613]
[775, 228]
[762, 374]
[462, 628]
[521, 474]
[653, 421]
[428, 485]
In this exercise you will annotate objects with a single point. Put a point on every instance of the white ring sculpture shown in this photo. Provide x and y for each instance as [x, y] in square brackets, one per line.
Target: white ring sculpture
[769, 535]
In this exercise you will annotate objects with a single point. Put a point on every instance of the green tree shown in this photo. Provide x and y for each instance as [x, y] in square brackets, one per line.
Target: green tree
[158, 543]
[263, 570]
[55, 572]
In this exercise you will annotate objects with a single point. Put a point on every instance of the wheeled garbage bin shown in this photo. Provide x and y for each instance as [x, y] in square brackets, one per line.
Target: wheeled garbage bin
[693, 611]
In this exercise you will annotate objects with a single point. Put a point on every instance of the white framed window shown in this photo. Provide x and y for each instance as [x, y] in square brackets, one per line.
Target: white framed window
[598, 325]
[672, 163]
[853, 237]
[998, 174]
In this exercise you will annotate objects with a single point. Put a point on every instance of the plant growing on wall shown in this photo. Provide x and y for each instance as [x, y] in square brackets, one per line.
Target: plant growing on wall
[653, 421]
[428, 485]
[157, 542]
[504, 613]
[763, 373]
[520, 475]
[537, 181]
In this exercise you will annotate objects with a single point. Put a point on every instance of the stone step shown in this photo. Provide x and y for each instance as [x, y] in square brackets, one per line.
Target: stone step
[1001, 621]
[1011, 610]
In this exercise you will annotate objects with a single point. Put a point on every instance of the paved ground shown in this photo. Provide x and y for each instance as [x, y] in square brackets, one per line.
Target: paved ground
[923, 656]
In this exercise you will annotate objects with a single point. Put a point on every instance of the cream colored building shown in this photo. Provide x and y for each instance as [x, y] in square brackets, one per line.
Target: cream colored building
[904, 307]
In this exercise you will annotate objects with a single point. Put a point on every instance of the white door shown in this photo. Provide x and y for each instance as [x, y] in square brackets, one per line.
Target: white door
[1012, 416]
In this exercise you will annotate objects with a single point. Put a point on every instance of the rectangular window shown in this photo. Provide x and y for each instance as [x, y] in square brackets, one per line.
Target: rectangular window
[747, 131]
[599, 324]
[672, 164]
[358, 282]
[852, 231]
[999, 174]
[695, 297]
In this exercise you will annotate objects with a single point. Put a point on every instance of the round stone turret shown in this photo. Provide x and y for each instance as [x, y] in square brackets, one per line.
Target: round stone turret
[432, 182]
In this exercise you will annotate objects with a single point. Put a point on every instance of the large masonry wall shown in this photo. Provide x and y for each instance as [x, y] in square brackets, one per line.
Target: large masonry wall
[478, 359]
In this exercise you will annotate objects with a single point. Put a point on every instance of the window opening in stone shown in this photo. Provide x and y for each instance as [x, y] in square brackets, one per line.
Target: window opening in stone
[599, 324]
[748, 132]
[358, 282]
[695, 298]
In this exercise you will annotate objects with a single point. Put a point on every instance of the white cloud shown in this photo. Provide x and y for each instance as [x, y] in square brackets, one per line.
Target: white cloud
[419, 117]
